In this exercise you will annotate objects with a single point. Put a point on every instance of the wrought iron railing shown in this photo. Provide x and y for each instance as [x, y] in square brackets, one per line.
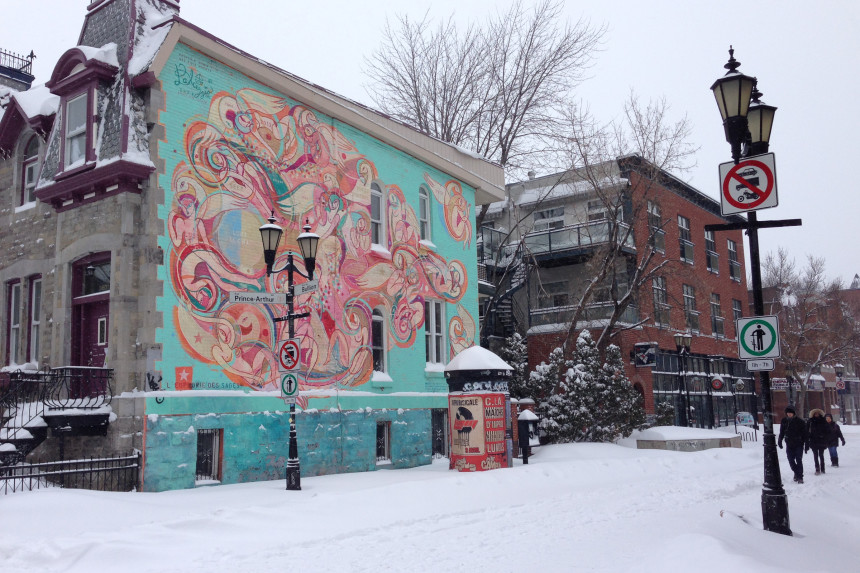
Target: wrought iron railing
[21, 406]
[101, 474]
[17, 61]
[80, 387]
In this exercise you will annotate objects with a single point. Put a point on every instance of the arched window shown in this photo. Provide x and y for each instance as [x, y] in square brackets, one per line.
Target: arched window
[424, 213]
[29, 170]
[377, 340]
[377, 229]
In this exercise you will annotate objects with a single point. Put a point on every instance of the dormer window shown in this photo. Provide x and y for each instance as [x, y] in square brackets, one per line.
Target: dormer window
[76, 131]
[29, 171]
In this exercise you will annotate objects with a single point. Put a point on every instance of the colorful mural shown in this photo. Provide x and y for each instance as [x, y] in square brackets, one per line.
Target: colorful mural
[254, 154]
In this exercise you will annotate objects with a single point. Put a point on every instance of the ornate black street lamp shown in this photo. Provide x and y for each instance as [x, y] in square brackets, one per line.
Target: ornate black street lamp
[683, 340]
[271, 234]
[840, 370]
[741, 117]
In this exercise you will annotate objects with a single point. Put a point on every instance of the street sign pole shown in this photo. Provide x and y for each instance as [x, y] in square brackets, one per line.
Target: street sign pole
[773, 497]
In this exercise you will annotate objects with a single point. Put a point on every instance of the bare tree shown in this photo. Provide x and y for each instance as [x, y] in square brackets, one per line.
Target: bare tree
[494, 89]
[642, 148]
[817, 326]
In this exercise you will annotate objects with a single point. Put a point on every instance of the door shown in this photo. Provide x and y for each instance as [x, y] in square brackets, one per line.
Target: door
[93, 334]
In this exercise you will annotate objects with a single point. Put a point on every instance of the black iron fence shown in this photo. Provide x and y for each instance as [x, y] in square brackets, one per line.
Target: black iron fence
[100, 474]
[17, 61]
[80, 387]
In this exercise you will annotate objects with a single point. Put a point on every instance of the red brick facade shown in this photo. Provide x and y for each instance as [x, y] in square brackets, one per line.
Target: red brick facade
[674, 199]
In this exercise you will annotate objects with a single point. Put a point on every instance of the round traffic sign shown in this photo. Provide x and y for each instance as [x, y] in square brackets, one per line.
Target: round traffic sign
[840, 385]
[757, 336]
[288, 354]
[742, 185]
[289, 384]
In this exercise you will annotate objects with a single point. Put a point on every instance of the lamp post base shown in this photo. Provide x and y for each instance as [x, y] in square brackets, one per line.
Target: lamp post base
[294, 473]
[774, 510]
[294, 476]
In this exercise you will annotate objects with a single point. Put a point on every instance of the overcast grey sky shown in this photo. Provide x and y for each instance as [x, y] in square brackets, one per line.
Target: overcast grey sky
[804, 54]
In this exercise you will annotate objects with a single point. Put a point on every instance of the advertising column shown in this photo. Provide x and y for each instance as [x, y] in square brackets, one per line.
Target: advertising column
[479, 411]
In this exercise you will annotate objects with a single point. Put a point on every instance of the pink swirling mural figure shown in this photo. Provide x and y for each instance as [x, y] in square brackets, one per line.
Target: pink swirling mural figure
[253, 154]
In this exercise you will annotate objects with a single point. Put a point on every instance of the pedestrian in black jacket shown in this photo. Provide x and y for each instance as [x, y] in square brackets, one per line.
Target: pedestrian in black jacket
[833, 443]
[819, 436]
[793, 430]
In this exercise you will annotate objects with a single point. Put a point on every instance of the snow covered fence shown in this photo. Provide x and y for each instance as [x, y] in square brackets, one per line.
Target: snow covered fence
[101, 474]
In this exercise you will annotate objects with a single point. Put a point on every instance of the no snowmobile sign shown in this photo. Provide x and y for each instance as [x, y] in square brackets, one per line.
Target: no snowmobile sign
[748, 186]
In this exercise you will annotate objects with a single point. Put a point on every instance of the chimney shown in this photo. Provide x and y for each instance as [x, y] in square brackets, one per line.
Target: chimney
[532, 175]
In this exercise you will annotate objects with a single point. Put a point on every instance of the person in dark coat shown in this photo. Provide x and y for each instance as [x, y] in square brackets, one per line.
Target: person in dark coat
[793, 431]
[833, 443]
[819, 436]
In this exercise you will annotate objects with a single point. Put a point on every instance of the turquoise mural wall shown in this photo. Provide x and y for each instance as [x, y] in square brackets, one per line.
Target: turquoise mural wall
[236, 152]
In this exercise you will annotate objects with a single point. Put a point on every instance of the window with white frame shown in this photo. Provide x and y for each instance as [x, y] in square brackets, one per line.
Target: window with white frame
[29, 170]
[76, 130]
[656, 235]
[711, 257]
[376, 203]
[434, 328]
[13, 329]
[553, 294]
[424, 213]
[35, 317]
[737, 309]
[377, 340]
[596, 210]
[661, 301]
[734, 265]
[691, 315]
[549, 219]
[684, 239]
[717, 320]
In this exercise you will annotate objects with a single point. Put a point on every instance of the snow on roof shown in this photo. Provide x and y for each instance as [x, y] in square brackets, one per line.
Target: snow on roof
[149, 40]
[564, 189]
[106, 54]
[477, 358]
[37, 100]
[527, 415]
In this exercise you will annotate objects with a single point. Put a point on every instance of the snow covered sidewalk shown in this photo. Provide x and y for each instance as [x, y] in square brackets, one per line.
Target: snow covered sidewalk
[576, 507]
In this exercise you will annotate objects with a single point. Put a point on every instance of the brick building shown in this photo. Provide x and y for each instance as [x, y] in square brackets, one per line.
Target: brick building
[562, 226]
[832, 386]
[132, 187]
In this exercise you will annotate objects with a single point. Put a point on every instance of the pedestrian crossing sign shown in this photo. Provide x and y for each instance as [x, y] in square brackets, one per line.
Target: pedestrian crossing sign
[758, 337]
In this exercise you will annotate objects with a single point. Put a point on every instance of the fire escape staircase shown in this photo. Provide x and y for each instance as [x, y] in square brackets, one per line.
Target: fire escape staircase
[502, 317]
[67, 400]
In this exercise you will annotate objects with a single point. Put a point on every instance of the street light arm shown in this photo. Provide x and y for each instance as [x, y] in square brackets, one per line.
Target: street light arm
[289, 266]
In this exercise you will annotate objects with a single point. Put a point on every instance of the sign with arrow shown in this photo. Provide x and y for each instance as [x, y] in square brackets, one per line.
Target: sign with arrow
[748, 186]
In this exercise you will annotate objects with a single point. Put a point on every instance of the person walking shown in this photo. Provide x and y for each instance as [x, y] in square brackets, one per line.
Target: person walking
[819, 436]
[793, 430]
[833, 441]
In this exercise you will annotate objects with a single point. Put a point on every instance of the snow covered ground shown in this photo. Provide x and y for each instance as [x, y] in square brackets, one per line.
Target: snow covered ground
[577, 507]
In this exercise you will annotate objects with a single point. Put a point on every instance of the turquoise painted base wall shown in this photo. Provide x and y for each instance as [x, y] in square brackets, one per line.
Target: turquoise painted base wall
[255, 444]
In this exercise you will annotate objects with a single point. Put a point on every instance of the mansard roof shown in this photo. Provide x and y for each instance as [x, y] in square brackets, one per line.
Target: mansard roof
[35, 108]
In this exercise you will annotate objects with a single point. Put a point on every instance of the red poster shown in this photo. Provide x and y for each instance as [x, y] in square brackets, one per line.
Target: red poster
[477, 432]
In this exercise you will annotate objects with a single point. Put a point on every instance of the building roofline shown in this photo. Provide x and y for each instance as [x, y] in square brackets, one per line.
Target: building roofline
[485, 176]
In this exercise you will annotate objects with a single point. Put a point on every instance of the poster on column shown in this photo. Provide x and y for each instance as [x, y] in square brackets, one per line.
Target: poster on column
[477, 431]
